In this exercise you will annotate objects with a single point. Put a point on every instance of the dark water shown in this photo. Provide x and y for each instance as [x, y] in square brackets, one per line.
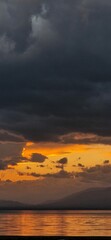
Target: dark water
[55, 223]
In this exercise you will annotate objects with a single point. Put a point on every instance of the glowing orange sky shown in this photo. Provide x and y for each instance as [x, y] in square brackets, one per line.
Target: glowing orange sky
[88, 155]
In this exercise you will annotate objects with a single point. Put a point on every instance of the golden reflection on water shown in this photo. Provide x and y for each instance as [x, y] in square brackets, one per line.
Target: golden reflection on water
[55, 223]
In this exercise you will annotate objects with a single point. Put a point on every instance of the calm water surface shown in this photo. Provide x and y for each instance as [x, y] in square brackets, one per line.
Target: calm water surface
[55, 223]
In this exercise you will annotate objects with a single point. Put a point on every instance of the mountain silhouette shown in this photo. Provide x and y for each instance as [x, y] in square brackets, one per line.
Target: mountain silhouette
[94, 198]
[90, 199]
[12, 205]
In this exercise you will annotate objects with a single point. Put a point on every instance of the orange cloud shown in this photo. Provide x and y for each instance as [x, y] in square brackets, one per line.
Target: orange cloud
[52, 149]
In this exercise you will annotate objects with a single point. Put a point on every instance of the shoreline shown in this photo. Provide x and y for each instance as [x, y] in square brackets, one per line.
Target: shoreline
[48, 237]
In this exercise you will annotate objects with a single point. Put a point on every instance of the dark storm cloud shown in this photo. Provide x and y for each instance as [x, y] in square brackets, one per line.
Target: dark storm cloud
[8, 164]
[16, 159]
[55, 69]
[11, 150]
[63, 160]
[3, 165]
[84, 138]
[8, 137]
[37, 157]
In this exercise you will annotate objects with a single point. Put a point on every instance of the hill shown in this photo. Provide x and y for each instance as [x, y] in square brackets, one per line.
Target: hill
[90, 199]
[94, 198]
[12, 205]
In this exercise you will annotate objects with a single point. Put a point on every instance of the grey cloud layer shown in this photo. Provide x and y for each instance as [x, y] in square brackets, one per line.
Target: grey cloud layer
[98, 173]
[60, 174]
[55, 68]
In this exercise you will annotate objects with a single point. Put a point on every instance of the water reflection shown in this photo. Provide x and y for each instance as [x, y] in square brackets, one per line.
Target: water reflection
[56, 223]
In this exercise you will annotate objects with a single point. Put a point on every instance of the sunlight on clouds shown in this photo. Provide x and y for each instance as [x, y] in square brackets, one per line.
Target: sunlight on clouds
[52, 149]
[45, 158]
[78, 158]
[78, 155]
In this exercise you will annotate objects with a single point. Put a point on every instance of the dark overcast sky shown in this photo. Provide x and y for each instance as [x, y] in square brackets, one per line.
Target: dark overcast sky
[55, 68]
[55, 97]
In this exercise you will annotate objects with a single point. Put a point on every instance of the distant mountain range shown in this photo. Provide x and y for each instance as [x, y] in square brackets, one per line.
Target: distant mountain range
[94, 198]
[8, 205]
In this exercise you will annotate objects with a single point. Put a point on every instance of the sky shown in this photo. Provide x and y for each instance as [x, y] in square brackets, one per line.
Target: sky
[55, 98]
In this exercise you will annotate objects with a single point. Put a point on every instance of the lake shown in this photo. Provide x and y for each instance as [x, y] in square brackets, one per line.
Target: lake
[55, 223]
